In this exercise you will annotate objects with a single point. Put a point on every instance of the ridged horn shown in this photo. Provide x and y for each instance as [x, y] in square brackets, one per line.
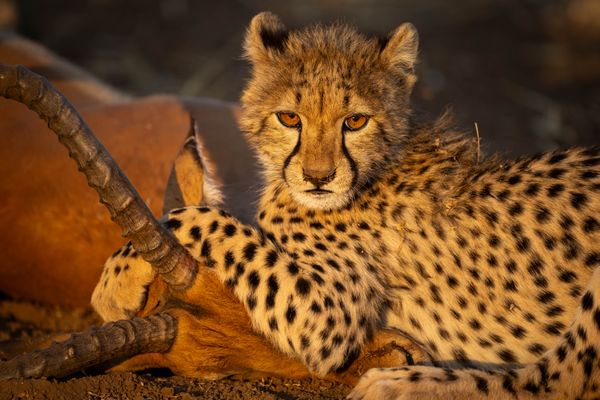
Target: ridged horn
[151, 240]
[111, 342]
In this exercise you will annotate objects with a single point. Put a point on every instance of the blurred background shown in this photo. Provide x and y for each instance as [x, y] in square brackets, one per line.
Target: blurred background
[527, 71]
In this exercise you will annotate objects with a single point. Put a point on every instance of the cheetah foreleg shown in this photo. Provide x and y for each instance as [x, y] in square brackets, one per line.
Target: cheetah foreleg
[123, 286]
[304, 311]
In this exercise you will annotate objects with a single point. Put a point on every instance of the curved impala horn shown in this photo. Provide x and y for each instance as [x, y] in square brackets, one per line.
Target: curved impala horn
[151, 240]
[109, 343]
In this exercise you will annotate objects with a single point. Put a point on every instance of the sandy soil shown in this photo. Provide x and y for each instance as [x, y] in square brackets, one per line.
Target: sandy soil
[150, 386]
[23, 325]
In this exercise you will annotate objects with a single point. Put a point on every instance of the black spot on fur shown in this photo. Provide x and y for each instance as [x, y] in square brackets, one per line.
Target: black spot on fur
[302, 287]
[339, 287]
[587, 301]
[316, 225]
[554, 311]
[271, 258]
[557, 158]
[542, 215]
[273, 324]
[325, 353]
[597, 318]
[518, 331]
[554, 328]
[273, 286]
[515, 209]
[530, 386]
[532, 189]
[251, 302]
[590, 225]
[314, 307]
[592, 259]
[293, 268]
[253, 280]
[328, 302]
[229, 230]
[173, 224]
[299, 237]
[561, 353]
[482, 384]
[341, 227]
[249, 251]
[290, 314]
[578, 200]
[507, 356]
[317, 278]
[545, 297]
[513, 180]
[206, 249]
[295, 220]
[364, 226]
[507, 384]
[332, 263]
[567, 276]
[195, 233]
[536, 349]
[229, 259]
[556, 173]
[116, 253]
[555, 190]
[510, 285]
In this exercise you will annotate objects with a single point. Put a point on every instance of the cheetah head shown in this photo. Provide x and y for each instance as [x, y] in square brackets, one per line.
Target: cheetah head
[326, 108]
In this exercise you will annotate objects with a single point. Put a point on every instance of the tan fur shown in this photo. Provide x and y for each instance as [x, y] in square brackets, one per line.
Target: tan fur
[489, 265]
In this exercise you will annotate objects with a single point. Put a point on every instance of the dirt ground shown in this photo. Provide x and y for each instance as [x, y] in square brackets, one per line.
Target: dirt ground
[527, 71]
[22, 325]
[148, 386]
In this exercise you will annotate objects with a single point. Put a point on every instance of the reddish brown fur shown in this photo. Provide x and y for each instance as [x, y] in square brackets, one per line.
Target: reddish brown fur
[53, 227]
[215, 339]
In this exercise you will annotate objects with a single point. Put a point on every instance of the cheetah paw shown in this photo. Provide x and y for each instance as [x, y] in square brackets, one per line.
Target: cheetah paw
[377, 384]
[414, 383]
[122, 290]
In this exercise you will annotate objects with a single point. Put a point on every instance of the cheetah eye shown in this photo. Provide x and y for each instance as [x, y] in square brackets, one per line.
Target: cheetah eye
[289, 119]
[355, 122]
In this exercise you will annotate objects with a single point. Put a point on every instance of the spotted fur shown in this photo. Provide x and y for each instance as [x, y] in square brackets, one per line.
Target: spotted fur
[491, 266]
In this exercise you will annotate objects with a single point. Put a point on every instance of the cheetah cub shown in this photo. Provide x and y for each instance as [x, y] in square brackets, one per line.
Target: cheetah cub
[368, 221]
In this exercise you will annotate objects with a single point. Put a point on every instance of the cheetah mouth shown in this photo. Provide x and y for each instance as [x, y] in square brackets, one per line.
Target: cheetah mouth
[319, 192]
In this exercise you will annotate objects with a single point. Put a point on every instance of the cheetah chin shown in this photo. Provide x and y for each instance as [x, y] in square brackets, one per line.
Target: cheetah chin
[325, 200]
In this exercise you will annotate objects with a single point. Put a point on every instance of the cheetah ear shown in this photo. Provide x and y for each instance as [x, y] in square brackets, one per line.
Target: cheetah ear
[400, 49]
[265, 38]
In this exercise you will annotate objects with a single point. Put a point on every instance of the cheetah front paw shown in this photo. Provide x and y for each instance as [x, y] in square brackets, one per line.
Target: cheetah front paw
[378, 384]
[423, 383]
[122, 290]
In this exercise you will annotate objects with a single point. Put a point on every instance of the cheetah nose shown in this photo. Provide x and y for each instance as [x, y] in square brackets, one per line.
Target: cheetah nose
[318, 177]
